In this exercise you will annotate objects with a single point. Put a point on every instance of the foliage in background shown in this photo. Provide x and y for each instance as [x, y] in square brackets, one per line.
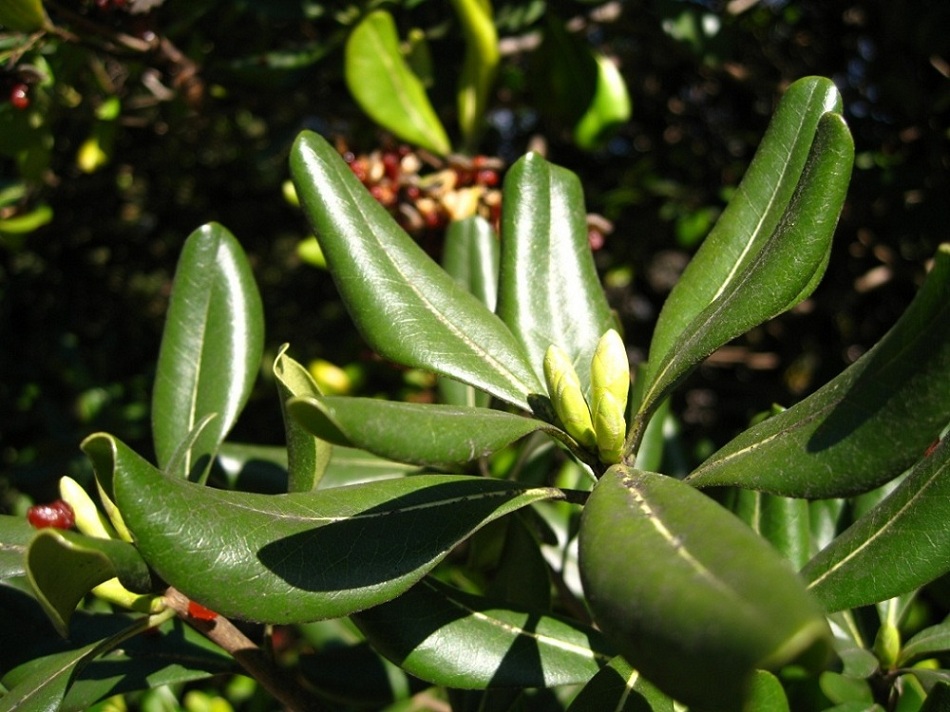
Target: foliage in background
[653, 579]
[121, 131]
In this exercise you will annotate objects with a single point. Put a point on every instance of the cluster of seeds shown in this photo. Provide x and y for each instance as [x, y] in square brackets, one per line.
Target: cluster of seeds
[424, 192]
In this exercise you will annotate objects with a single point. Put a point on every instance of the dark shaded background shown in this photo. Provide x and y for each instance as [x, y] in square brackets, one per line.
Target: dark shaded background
[82, 299]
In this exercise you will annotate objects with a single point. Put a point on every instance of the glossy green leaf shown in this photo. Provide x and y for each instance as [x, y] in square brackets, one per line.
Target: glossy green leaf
[384, 86]
[771, 248]
[899, 545]
[349, 466]
[418, 433]
[307, 457]
[766, 694]
[857, 660]
[691, 596]
[470, 254]
[931, 640]
[865, 426]
[609, 107]
[15, 534]
[620, 688]
[310, 555]
[23, 15]
[41, 684]
[479, 66]
[841, 689]
[407, 307]
[211, 347]
[63, 567]
[423, 630]
[549, 289]
[782, 521]
[753, 213]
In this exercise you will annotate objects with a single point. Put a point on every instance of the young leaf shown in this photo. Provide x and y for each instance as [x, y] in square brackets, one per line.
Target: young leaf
[470, 255]
[766, 281]
[549, 289]
[385, 87]
[864, 427]
[418, 433]
[307, 457]
[898, 546]
[311, 555]
[404, 304]
[691, 596]
[479, 67]
[211, 347]
[423, 630]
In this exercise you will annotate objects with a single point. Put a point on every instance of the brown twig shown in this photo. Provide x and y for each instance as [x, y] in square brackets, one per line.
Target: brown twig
[251, 657]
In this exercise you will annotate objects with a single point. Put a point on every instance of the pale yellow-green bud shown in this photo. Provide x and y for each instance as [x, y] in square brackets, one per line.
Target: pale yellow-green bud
[887, 645]
[568, 400]
[89, 520]
[114, 515]
[114, 592]
[610, 383]
[609, 428]
[610, 369]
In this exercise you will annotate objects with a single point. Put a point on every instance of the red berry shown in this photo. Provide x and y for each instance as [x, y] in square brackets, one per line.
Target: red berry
[391, 164]
[199, 612]
[20, 96]
[487, 177]
[58, 515]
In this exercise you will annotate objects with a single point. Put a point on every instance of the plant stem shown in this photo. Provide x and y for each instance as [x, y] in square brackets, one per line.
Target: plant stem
[255, 661]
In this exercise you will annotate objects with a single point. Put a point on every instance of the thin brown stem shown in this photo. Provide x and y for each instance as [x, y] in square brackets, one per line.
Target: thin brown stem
[251, 657]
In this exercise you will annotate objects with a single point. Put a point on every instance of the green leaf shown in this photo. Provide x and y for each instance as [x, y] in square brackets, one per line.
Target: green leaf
[841, 689]
[211, 347]
[771, 249]
[691, 596]
[753, 213]
[766, 694]
[423, 631]
[307, 457]
[609, 107]
[310, 555]
[64, 566]
[378, 684]
[404, 304]
[864, 427]
[15, 534]
[901, 544]
[385, 87]
[23, 15]
[470, 255]
[349, 466]
[782, 521]
[479, 67]
[928, 642]
[549, 289]
[41, 684]
[620, 688]
[418, 433]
